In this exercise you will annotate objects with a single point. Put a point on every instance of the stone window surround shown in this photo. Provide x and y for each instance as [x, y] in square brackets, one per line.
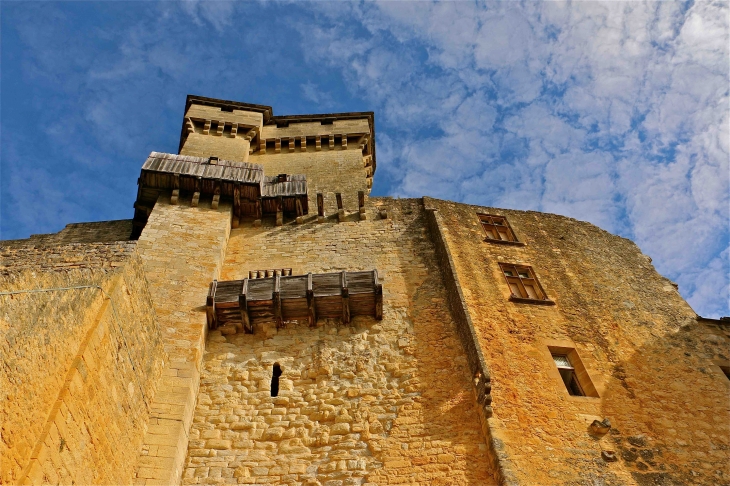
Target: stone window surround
[590, 386]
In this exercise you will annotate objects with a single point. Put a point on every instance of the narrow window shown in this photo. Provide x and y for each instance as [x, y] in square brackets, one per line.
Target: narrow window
[497, 228]
[567, 373]
[573, 373]
[522, 283]
[275, 380]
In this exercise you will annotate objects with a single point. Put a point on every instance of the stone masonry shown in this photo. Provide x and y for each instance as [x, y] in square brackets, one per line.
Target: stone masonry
[559, 356]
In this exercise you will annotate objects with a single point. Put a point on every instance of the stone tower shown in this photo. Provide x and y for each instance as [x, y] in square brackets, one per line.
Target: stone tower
[262, 320]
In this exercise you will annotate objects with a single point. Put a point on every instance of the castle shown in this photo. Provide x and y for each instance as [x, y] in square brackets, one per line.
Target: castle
[262, 320]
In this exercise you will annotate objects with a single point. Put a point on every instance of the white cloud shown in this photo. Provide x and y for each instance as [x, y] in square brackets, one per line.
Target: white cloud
[614, 112]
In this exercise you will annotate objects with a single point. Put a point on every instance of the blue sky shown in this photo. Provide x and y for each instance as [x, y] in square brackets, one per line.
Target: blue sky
[614, 113]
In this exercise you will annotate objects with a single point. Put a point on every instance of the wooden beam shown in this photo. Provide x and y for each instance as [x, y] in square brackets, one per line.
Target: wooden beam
[243, 307]
[345, 292]
[237, 200]
[378, 296]
[276, 297]
[210, 306]
[310, 302]
[216, 194]
[279, 211]
[320, 207]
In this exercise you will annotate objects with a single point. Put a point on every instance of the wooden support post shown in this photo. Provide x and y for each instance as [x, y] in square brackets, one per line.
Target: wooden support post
[345, 292]
[216, 195]
[236, 205]
[276, 297]
[259, 213]
[320, 207]
[317, 143]
[303, 143]
[361, 204]
[196, 195]
[378, 296]
[243, 307]
[340, 208]
[210, 306]
[279, 211]
[300, 210]
[310, 302]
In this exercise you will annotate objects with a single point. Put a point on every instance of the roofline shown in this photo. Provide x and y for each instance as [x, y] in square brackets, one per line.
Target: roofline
[723, 321]
[270, 119]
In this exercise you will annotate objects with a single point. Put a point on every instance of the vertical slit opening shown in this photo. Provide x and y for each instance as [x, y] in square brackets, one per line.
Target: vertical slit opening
[276, 373]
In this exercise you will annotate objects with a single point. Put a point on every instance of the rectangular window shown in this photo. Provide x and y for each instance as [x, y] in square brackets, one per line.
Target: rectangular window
[522, 283]
[497, 228]
[567, 373]
[572, 372]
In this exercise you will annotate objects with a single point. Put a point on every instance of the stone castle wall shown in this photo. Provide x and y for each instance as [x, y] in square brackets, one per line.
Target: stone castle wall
[387, 402]
[649, 359]
[79, 365]
[182, 248]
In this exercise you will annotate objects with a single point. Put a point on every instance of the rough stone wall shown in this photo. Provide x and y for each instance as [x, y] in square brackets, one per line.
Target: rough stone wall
[387, 402]
[223, 146]
[79, 366]
[649, 359]
[95, 232]
[182, 249]
[328, 171]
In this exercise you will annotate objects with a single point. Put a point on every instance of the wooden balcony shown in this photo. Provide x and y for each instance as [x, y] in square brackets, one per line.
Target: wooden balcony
[278, 299]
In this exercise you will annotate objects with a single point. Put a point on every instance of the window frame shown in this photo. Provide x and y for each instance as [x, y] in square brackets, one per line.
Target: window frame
[524, 277]
[490, 222]
[578, 371]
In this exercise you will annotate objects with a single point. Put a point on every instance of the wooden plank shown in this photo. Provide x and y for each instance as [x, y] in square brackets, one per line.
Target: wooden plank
[210, 306]
[277, 302]
[237, 200]
[312, 313]
[378, 289]
[243, 308]
[320, 205]
[345, 292]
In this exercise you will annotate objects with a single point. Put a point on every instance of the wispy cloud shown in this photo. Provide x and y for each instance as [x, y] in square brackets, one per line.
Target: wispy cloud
[611, 112]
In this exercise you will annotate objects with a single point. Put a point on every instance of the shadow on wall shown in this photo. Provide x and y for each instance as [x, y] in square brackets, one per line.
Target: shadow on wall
[669, 407]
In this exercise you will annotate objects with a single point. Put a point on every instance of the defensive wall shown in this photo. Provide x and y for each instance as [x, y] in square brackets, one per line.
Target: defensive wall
[598, 372]
[80, 363]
